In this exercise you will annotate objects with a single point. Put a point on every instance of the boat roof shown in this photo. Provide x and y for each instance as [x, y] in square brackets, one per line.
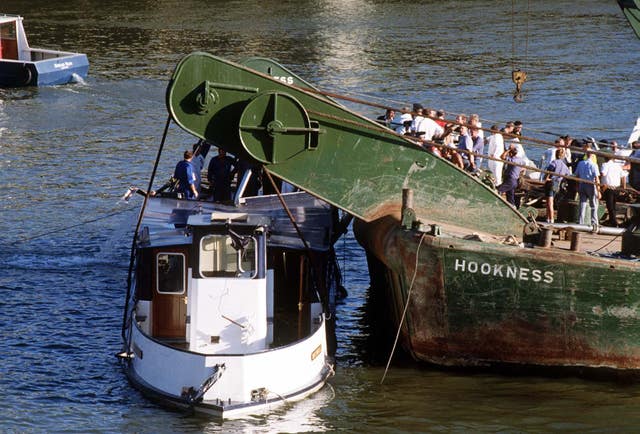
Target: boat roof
[6, 18]
[165, 220]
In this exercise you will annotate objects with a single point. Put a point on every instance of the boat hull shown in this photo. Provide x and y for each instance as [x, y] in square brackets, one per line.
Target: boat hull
[64, 69]
[250, 384]
[476, 303]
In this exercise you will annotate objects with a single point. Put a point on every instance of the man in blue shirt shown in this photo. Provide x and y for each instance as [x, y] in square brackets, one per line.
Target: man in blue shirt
[186, 177]
[511, 174]
[552, 182]
[587, 169]
[465, 143]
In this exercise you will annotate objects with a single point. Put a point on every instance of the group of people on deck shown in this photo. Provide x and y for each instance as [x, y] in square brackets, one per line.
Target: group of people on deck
[463, 142]
[221, 171]
[597, 181]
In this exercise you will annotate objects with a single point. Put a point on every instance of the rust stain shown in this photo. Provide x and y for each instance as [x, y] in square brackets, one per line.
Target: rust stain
[519, 341]
[384, 209]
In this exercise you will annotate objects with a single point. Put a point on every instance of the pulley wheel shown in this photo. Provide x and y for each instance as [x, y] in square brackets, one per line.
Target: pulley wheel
[274, 127]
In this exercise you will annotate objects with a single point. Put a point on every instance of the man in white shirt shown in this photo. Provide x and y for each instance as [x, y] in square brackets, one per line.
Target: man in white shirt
[495, 145]
[611, 174]
[428, 129]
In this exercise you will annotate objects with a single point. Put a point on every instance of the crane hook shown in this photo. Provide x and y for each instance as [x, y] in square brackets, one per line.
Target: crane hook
[519, 77]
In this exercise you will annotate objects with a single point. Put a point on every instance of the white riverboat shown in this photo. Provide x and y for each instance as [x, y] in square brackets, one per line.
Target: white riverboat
[227, 309]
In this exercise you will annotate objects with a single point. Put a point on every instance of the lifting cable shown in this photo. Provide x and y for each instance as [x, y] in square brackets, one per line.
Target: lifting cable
[381, 129]
[404, 311]
[307, 247]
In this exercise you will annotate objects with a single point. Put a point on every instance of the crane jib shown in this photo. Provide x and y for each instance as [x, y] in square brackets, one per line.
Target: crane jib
[320, 146]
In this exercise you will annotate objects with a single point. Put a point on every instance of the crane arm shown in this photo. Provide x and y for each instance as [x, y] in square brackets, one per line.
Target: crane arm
[322, 147]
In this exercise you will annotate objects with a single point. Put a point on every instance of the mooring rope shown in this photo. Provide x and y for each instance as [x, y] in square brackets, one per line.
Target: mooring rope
[406, 306]
[40, 235]
[132, 256]
[606, 244]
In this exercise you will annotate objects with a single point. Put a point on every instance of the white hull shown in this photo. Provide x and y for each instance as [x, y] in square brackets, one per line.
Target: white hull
[251, 383]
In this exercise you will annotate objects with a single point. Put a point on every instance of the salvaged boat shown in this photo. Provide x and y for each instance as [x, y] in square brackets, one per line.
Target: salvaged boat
[229, 308]
[467, 280]
[21, 65]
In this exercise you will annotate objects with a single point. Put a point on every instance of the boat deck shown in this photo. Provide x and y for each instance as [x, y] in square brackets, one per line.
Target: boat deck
[591, 243]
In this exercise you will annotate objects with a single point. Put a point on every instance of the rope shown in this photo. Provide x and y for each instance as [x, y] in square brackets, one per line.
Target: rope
[610, 241]
[404, 312]
[23, 240]
[132, 257]
[287, 210]
[485, 121]
[513, 35]
[307, 251]
[526, 43]
[524, 139]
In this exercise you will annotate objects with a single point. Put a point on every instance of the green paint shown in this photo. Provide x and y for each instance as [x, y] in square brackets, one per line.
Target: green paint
[318, 145]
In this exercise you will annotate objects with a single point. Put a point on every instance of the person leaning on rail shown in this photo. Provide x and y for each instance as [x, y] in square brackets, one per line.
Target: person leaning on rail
[552, 182]
[611, 175]
[186, 177]
[511, 174]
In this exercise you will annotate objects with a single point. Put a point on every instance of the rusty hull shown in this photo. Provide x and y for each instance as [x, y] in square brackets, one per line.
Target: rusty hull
[481, 303]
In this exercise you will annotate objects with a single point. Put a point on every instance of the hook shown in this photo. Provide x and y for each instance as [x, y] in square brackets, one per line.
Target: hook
[518, 77]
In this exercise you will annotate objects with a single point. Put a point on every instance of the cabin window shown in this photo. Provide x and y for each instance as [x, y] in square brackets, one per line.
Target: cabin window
[222, 256]
[170, 268]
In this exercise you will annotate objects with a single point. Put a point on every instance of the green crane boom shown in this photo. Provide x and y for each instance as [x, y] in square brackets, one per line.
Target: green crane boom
[335, 154]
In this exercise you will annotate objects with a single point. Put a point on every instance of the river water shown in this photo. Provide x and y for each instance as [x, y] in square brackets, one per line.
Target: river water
[68, 153]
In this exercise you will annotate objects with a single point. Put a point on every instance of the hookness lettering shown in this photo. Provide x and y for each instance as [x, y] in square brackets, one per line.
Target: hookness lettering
[505, 271]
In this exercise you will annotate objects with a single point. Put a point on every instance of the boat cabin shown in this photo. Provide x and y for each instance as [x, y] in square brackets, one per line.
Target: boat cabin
[13, 43]
[220, 263]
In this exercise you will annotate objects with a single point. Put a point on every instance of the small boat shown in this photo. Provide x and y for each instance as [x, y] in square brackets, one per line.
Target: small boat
[225, 313]
[229, 308]
[464, 278]
[21, 65]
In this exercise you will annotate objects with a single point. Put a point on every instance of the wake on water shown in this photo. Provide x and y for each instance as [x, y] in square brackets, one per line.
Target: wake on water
[75, 78]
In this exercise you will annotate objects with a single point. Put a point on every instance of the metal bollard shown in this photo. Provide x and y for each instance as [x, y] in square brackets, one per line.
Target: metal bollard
[545, 237]
[576, 241]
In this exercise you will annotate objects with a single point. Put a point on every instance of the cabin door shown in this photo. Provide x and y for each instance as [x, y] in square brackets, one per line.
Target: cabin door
[8, 41]
[170, 294]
